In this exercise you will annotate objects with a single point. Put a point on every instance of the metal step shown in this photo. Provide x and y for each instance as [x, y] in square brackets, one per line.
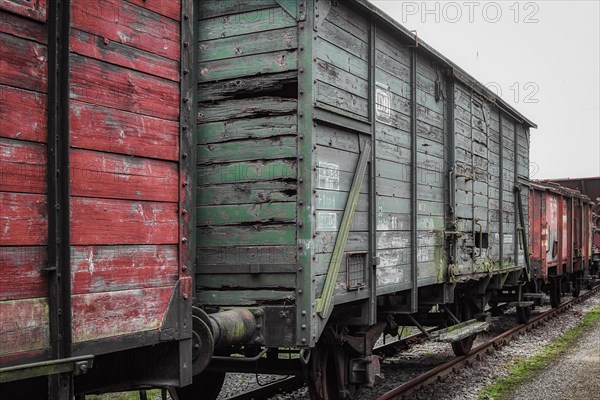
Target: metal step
[458, 332]
[520, 303]
[534, 295]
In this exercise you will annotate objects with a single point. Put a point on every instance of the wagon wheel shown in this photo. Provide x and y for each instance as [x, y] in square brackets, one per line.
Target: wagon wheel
[325, 373]
[205, 386]
[464, 312]
[555, 293]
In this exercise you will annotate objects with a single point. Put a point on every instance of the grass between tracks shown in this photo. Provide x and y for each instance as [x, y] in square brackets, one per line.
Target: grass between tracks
[524, 370]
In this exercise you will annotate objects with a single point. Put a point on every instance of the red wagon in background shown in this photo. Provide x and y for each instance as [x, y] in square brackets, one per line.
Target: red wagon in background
[591, 188]
[560, 232]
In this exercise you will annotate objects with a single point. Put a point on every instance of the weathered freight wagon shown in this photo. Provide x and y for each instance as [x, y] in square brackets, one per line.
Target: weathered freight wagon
[349, 178]
[95, 195]
[193, 187]
[561, 230]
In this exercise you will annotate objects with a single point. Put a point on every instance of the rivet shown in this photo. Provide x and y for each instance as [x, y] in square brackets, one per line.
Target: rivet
[301, 70]
[185, 296]
[106, 41]
[303, 312]
[303, 326]
[185, 99]
[186, 17]
[184, 155]
[186, 44]
[301, 92]
[184, 268]
[300, 247]
[301, 158]
[300, 203]
[301, 48]
[299, 269]
[303, 340]
[183, 212]
[301, 137]
[300, 224]
[183, 240]
[186, 71]
[300, 291]
[301, 180]
[301, 114]
[184, 128]
[184, 184]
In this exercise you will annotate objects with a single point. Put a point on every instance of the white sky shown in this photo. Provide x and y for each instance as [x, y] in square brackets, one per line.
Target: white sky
[542, 55]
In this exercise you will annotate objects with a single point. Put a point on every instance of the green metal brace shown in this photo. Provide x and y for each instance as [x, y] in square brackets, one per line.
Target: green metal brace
[325, 302]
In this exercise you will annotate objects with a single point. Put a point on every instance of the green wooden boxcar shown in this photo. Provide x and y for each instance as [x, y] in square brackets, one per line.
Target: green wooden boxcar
[346, 169]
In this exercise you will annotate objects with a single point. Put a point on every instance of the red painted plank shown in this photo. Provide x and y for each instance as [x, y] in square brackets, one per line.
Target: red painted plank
[103, 221]
[21, 275]
[100, 83]
[23, 219]
[22, 166]
[117, 53]
[23, 325]
[168, 8]
[107, 129]
[95, 174]
[113, 268]
[23, 114]
[127, 23]
[24, 28]
[110, 314]
[23, 63]
[35, 9]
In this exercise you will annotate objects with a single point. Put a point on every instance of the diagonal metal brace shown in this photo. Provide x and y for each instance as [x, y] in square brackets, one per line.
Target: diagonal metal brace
[325, 302]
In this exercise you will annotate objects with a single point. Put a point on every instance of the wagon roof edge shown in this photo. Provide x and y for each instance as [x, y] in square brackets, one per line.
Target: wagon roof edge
[457, 71]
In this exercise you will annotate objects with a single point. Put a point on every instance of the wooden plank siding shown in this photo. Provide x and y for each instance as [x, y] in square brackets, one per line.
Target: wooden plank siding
[23, 201]
[246, 153]
[124, 77]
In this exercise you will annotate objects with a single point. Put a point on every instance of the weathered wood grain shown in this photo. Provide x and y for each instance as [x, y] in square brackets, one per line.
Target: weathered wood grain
[24, 28]
[244, 23]
[251, 171]
[244, 193]
[248, 150]
[260, 85]
[246, 108]
[23, 325]
[216, 8]
[21, 275]
[24, 63]
[253, 128]
[246, 281]
[245, 297]
[168, 8]
[341, 100]
[117, 53]
[332, 54]
[252, 43]
[22, 166]
[101, 83]
[344, 40]
[96, 174]
[127, 23]
[246, 214]
[105, 221]
[22, 114]
[97, 269]
[110, 314]
[258, 64]
[31, 9]
[230, 236]
[106, 129]
[23, 219]
[271, 258]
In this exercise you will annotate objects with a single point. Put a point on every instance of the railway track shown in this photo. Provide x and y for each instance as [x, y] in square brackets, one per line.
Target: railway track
[442, 371]
[292, 383]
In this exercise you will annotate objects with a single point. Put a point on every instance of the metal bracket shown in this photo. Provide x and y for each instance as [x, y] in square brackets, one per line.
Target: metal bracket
[322, 8]
[75, 365]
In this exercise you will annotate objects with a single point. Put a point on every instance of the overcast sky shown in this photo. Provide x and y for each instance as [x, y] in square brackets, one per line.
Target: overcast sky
[541, 56]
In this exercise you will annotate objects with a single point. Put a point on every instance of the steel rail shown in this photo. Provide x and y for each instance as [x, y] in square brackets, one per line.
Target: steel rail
[455, 364]
[292, 383]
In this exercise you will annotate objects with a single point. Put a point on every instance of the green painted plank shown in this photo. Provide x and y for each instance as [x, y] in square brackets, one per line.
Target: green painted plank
[254, 128]
[268, 63]
[230, 236]
[246, 213]
[245, 108]
[247, 150]
[245, 23]
[247, 193]
[251, 171]
[253, 43]
[336, 200]
[349, 20]
[245, 281]
[345, 41]
[327, 221]
[336, 56]
[255, 86]
[339, 78]
[264, 256]
[244, 297]
[341, 99]
[215, 8]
